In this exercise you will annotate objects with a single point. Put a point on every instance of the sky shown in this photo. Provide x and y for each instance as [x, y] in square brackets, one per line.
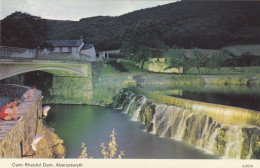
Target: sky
[76, 9]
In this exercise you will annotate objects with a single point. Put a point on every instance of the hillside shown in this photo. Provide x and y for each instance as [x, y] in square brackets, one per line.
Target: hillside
[209, 25]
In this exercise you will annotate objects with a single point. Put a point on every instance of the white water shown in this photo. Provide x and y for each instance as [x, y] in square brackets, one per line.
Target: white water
[129, 105]
[136, 113]
[214, 137]
[234, 143]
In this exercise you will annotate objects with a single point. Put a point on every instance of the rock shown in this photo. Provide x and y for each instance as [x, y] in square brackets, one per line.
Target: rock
[52, 129]
[247, 135]
[255, 142]
[58, 141]
[50, 145]
[221, 141]
[60, 151]
[149, 127]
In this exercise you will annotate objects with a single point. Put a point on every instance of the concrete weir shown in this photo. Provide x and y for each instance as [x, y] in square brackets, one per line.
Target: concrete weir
[199, 127]
[220, 113]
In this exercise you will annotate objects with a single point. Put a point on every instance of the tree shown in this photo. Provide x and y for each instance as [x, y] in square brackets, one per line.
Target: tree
[177, 58]
[218, 60]
[23, 30]
[199, 58]
[144, 41]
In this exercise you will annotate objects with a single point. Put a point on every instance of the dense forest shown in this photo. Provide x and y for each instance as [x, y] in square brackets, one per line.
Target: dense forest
[209, 25]
[186, 24]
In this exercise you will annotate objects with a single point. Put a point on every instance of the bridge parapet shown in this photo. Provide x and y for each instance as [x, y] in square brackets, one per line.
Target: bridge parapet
[15, 134]
[28, 54]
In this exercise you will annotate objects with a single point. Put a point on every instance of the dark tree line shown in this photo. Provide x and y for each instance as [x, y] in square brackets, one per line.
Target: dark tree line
[23, 30]
[209, 25]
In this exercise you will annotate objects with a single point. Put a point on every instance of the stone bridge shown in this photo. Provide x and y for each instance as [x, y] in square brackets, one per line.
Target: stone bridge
[73, 77]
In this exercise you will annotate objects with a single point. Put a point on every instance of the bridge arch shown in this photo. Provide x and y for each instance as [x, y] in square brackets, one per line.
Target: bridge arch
[9, 69]
[58, 71]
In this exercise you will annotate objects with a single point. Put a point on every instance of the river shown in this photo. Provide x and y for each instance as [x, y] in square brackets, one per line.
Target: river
[93, 125]
[232, 95]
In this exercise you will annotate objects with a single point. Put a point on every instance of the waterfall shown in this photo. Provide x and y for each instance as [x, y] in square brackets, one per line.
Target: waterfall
[182, 126]
[129, 105]
[136, 113]
[211, 143]
[234, 142]
[198, 129]
[154, 129]
[121, 107]
[204, 133]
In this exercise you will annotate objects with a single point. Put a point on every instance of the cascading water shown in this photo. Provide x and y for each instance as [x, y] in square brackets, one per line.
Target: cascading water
[230, 141]
[139, 108]
[234, 142]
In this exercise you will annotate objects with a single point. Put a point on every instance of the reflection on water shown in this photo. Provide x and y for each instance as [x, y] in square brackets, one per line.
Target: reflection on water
[232, 95]
[93, 125]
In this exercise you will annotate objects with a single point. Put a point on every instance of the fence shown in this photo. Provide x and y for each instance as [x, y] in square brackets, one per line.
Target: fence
[24, 53]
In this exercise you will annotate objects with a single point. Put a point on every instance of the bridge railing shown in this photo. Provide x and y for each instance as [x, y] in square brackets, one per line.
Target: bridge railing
[24, 53]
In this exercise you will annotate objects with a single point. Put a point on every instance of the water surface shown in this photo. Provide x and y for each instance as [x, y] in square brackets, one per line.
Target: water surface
[232, 95]
[92, 125]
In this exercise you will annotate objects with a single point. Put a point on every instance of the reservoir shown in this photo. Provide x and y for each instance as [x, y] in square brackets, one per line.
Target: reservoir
[93, 125]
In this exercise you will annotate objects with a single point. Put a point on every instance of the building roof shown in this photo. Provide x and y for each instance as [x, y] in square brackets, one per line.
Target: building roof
[87, 46]
[66, 43]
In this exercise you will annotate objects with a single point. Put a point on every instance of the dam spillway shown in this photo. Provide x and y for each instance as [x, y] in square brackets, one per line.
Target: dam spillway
[221, 113]
[198, 126]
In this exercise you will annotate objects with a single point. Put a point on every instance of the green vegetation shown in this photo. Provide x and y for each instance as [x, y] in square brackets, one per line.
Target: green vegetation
[188, 24]
[252, 70]
[134, 68]
[218, 60]
[177, 59]
[109, 70]
[144, 41]
[23, 30]
[119, 67]
[112, 149]
[199, 59]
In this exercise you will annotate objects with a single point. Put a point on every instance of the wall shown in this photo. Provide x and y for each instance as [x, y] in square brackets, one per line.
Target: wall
[75, 90]
[70, 90]
[89, 52]
[16, 135]
[96, 69]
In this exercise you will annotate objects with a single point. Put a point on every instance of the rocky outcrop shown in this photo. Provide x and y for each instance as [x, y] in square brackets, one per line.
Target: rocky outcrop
[50, 145]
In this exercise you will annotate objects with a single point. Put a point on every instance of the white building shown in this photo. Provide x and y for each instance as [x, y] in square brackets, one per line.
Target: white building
[103, 54]
[67, 46]
[89, 51]
[75, 47]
